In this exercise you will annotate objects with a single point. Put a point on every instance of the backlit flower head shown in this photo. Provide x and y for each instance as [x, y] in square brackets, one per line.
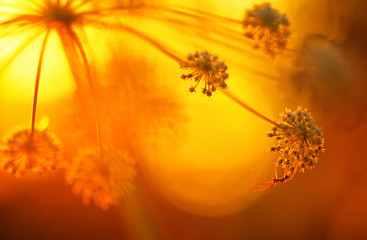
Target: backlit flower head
[268, 27]
[299, 143]
[299, 140]
[104, 178]
[23, 152]
[207, 67]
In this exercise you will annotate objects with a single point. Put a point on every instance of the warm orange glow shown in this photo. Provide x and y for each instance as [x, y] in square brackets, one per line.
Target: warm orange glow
[18, 81]
[129, 150]
[221, 142]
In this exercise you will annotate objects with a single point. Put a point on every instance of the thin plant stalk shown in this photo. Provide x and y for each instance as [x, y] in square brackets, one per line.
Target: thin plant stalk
[72, 48]
[247, 107]
[203, 13]
[19, 50]
[37, 83]
[79, 45]
[142, 36]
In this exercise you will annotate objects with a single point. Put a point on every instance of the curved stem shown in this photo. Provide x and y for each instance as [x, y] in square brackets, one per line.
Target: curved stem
[203, 13]
[142, 36]
[79, 45]
[247, 107]
[19, 50]
[36, 87]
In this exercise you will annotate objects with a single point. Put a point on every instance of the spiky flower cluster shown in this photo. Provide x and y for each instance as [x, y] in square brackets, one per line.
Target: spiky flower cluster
[268, 27]
[104, 178]
[36, 153]
[205, 66]
[300, 141]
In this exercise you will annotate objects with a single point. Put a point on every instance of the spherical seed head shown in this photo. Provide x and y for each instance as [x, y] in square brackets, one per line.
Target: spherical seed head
[268, 27]
[207, 67]
[299, 140]
[23, 152]
[105, 180]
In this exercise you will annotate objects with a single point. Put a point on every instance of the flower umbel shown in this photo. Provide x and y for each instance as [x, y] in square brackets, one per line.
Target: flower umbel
[300, 141]
[24, 152]
[104, 178]
[205, 66]
[268, 27]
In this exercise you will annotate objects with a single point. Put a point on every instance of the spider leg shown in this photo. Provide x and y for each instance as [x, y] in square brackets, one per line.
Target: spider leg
[262, 187]
[265, 182]
[254, 190]
[259, 186]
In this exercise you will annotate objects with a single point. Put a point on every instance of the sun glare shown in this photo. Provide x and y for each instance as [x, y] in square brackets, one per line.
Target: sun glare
[183, 119]
[17, 82]
[89, 52]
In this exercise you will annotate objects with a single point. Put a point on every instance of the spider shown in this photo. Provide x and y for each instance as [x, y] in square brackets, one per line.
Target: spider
[265, 183]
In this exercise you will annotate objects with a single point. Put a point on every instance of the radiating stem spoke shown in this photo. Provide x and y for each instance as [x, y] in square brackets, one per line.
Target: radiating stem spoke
[142, 36]
[199, 14]
[18, 51]
[79, 45]
[37, 82]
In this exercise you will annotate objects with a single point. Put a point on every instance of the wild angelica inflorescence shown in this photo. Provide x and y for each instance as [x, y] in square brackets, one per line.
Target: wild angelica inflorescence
[299, 141]
[268, 27]
[26, 152]
[104, 174]
[68, 19]
[299, 144]
[103, 179]
[206, 67]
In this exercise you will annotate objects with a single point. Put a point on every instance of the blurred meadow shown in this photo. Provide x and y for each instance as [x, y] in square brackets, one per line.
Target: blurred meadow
[140, 156]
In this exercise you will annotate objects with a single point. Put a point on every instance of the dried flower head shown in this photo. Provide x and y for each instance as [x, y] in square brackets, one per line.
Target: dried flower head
[268, 27]
[299, 140]
[26, 152]
[299, 143]
[205, 66]
[105, 179]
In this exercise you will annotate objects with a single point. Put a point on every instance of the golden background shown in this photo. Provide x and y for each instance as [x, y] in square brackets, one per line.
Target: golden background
[194, 151]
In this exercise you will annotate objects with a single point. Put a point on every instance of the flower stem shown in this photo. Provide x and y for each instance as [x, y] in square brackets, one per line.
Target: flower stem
[200, 14]
[247, 107]
[21, 47]
[80, 69]
[79, 45]
[142, 36]
[37, 83]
